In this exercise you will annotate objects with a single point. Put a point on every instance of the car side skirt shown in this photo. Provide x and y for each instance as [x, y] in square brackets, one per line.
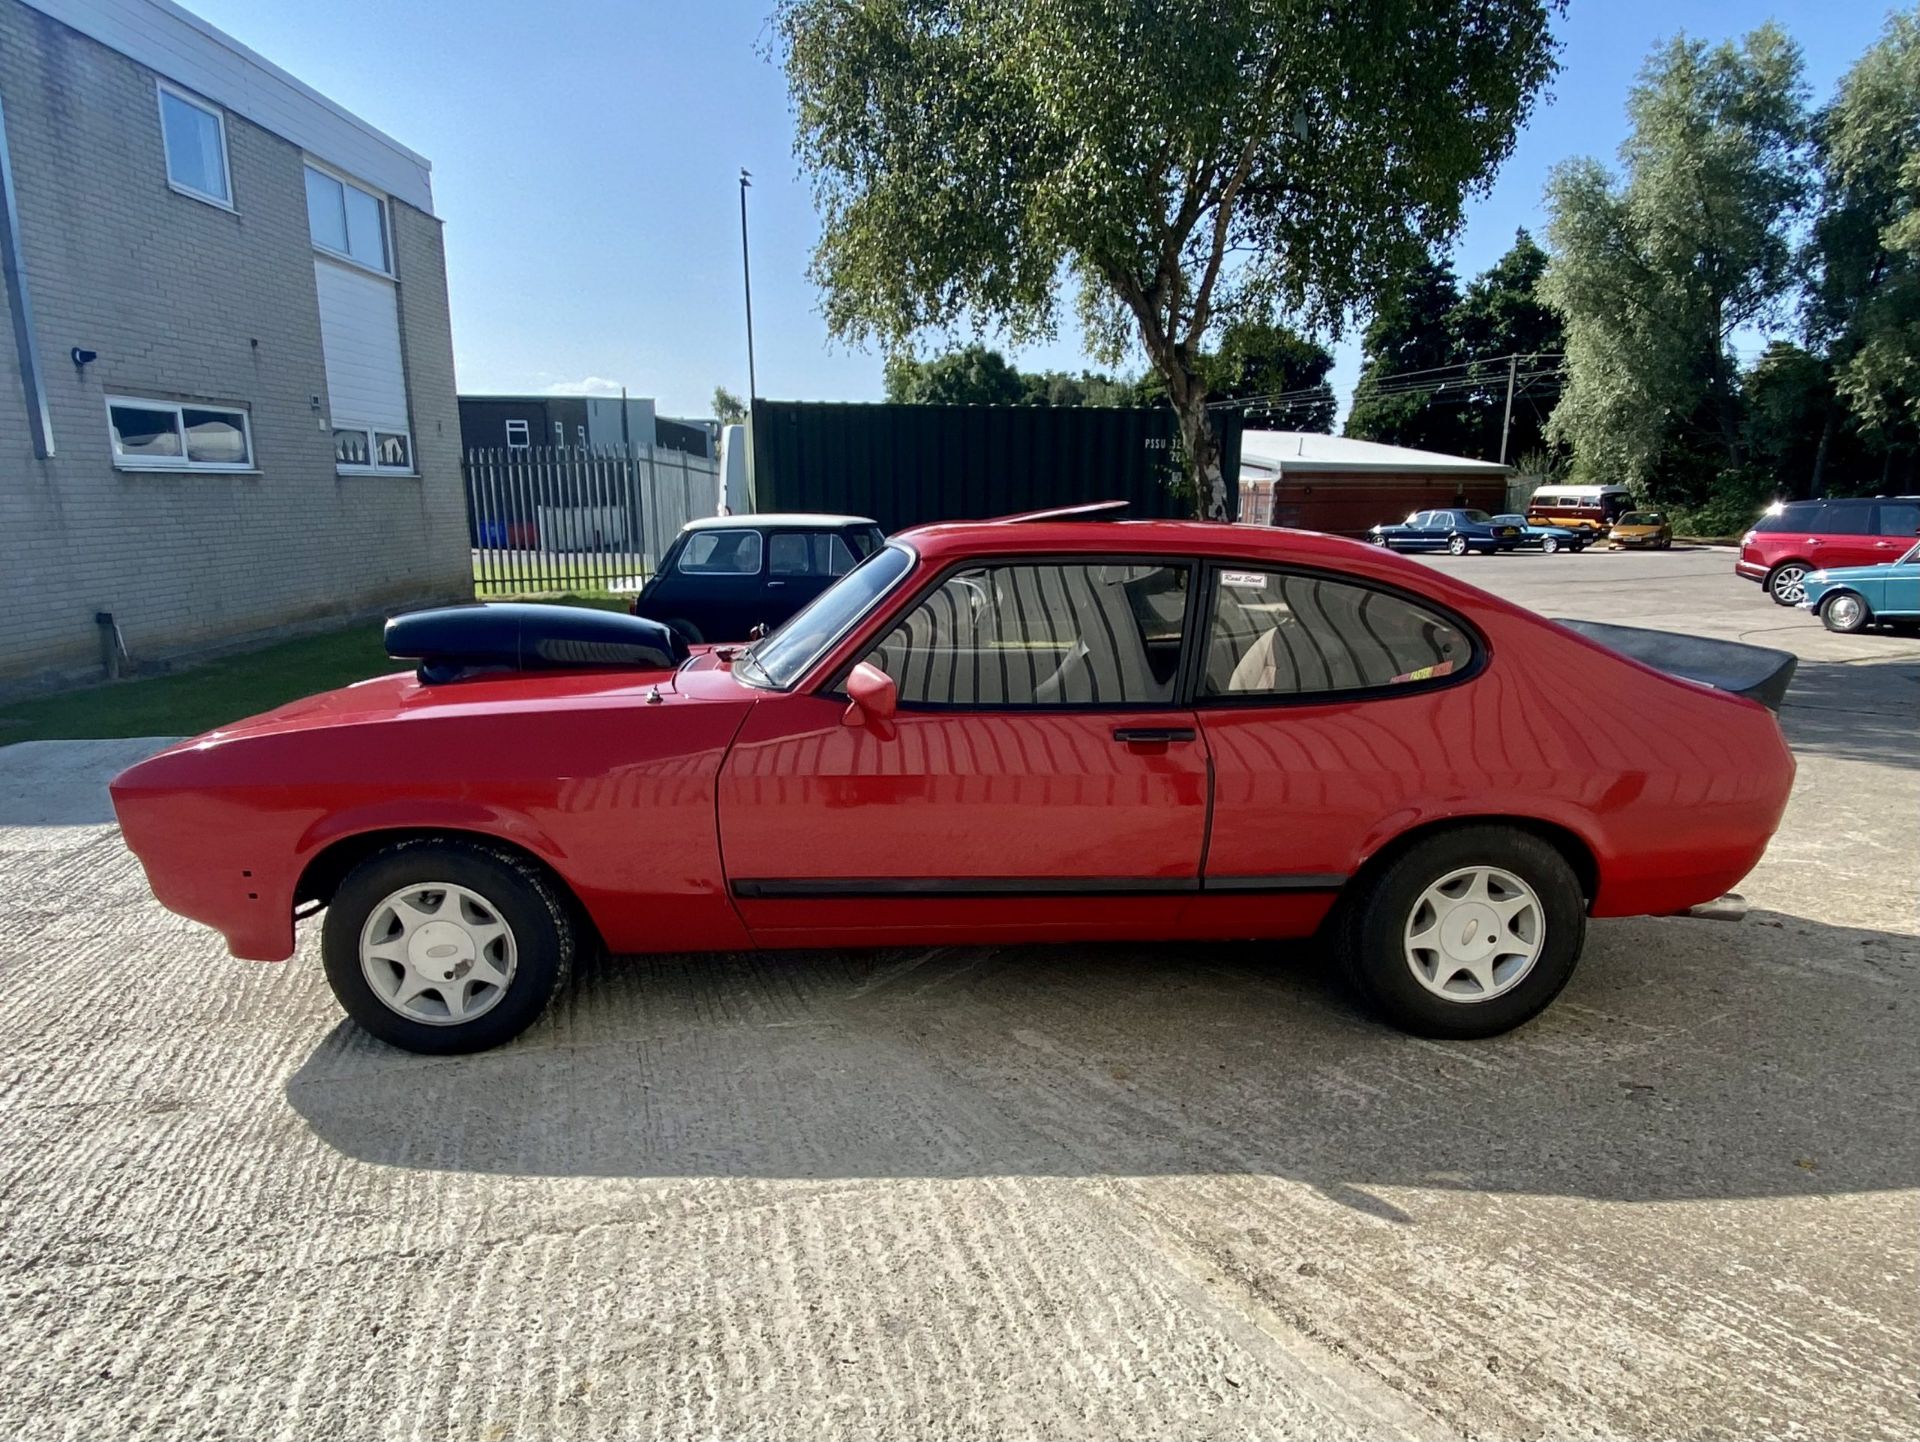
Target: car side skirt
[836, 888]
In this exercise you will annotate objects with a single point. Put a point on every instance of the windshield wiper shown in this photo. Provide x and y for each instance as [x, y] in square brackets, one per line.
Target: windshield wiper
[747, 658]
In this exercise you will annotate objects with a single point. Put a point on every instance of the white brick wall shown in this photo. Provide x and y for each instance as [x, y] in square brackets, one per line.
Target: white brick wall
[184, 300]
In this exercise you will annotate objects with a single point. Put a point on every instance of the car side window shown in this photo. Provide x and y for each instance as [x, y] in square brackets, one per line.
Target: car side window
[1899, 518]
[1094, 634]
[721, 553]
[808, 553]
[1842, 520]
[1274, 633]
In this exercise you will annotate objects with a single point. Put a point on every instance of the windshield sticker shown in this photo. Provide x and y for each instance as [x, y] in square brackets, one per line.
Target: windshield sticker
[1425, 673]
[1244, 580]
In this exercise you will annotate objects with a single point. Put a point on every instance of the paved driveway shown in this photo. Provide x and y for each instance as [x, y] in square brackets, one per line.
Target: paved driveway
[1178, 1191]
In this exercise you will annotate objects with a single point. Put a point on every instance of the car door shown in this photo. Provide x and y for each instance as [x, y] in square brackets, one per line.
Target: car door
[710, 584]
[1039, 778]
[800, 565]
[1321, 700]
[1896, 522]
[1845, 536]
[1416, 534]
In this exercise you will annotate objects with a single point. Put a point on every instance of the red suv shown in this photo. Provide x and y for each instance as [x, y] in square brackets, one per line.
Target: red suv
[1805, 536]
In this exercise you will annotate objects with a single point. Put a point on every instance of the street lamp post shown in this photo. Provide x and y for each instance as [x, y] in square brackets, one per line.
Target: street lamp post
[746, 276]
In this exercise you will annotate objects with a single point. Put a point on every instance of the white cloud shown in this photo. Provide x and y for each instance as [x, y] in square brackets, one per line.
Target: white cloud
[589, 386]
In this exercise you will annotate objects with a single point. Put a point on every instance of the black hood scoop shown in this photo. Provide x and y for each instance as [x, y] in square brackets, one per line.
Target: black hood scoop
[455, 642]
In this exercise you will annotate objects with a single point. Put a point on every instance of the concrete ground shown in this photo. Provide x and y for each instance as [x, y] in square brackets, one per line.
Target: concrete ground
[1166, 1191]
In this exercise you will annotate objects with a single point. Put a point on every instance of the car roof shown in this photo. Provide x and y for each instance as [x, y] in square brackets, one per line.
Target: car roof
[779, 521]
[951, 540]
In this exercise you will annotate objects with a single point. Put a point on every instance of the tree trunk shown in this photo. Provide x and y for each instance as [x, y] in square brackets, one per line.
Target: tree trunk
[1202, 446]
[1817, 487]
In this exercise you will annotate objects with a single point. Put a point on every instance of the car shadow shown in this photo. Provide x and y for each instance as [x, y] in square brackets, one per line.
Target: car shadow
[1688, 1059]
[1858, 711]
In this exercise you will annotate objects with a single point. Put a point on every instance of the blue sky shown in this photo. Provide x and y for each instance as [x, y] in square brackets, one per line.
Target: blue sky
[584, 161]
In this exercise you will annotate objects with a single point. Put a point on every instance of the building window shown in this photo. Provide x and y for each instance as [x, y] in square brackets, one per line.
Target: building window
[346, 220]
[158, 435]
[195, 135]
[517, 436]
[360, 449]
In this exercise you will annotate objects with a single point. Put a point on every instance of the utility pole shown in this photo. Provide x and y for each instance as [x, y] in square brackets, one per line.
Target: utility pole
[746, 275]
[1513, 368]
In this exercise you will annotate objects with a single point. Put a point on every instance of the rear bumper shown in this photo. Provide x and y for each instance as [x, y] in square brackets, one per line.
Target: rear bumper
[1752, 570]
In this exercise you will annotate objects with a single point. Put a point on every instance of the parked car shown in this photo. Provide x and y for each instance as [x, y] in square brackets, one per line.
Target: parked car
[1803, 536]
[725, 576]
[1851, 598]
[986, 733]
[1456, 530]
[1543, 538]
[1641, 530]
[1591, 510]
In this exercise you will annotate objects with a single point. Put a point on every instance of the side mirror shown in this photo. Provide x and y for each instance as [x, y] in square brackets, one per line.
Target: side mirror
[872, 698]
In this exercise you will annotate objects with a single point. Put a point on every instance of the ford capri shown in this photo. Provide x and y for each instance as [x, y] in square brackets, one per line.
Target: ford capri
[1852, 598]
[1046, 729]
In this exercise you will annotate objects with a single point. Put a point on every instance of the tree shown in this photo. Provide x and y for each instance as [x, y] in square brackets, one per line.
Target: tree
[1502, 314]
[728, 408]
[1409, 336]
[1189, 162]
[975, 376]
[1270, 366]
[1864, 295]
[1655, 274]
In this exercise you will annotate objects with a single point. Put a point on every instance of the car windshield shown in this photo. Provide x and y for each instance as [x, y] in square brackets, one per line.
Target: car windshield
[1643, 518]
[777, 661]
[1912, 558]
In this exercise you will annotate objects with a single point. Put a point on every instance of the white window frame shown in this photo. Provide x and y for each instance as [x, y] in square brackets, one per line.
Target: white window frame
[526, 436]
[374, 468]
[161, 90]
[379, 197]
[180, 462]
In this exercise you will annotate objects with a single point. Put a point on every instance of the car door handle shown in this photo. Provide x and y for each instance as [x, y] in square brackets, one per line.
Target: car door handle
[1150, 735]
[772, 584]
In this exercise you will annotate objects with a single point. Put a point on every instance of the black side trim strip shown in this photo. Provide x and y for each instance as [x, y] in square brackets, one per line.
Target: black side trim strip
[825, 888]
[1295, 881]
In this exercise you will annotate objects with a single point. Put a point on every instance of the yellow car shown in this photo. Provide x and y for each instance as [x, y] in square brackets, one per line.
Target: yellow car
[1641, 528]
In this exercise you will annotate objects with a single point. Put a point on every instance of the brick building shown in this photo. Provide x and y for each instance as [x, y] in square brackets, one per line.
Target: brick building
[226, 373]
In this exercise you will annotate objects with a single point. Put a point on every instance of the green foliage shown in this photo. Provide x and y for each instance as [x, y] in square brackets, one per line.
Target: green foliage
[728, 408]
[1654, 274]
[1189, 162]
[977, 376]
[1864, 299]
[1410, 333]
[1256, 360]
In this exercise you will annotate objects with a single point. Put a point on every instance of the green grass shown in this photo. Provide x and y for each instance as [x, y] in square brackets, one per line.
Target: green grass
[187, 702]
[498, 574]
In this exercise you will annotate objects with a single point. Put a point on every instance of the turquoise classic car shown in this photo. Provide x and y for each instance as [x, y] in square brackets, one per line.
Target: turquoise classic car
[1855, 597]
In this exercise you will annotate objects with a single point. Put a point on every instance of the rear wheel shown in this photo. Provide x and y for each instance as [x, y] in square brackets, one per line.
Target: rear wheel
[444, 946]
[689, 632]
[1468, 933]
[1456, 545]
[1787, 583]
[1845, 612]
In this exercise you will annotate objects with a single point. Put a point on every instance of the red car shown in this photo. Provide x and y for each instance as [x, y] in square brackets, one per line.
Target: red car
[1064, 730]
[1801, 537]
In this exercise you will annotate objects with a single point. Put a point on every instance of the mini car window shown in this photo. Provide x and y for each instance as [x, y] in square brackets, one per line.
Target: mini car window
[808, 553]
[721, 553]
[1275, 634]
[1899, 518]
[866, 541]
[1042, 635]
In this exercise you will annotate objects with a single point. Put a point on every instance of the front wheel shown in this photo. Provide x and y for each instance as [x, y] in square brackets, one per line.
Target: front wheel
[1787, 583]
[1456, 545]
[1845, 612]
[1468, 933]
[1549, 545]
[441, 946]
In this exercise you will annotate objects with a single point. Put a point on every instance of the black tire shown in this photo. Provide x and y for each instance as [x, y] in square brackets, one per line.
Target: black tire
[689, 632]
[1549, 545]
[1371, 939]
[1456, 545]
[1785, 583]
[1845, 619]
[539, 916]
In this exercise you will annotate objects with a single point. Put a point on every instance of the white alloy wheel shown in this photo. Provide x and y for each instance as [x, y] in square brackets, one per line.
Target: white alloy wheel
[1789, 585]
[1474, 934]
[1457, 546]
[437, 953]
[1550, 544]
[1846, 612]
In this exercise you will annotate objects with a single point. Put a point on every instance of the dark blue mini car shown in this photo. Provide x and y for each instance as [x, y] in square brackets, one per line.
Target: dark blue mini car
[1456, 530]
[725, 576]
